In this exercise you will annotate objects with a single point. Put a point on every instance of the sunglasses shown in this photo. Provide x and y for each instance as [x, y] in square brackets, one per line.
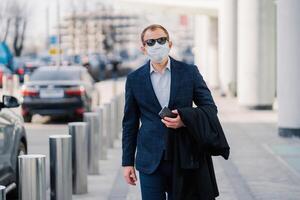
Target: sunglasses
[151, 42]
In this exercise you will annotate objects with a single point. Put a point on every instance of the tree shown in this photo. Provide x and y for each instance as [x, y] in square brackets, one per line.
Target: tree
[19, 10]
[19, 35]
[5, 20]
[13, 23]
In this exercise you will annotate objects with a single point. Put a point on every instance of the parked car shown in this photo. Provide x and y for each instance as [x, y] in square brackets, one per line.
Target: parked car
[96, 64]
[4, 71]
[30, 66]
[13, 142]
[57, 91]
[32, 62]
[19, 68]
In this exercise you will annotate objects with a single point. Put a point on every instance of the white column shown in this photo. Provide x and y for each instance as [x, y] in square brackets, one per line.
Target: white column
[213, 68]
[201, 40]
[256, 53]
[288, 59]
[206, 48]
[228, 46]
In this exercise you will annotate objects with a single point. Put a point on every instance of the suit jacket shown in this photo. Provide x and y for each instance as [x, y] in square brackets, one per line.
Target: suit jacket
[142, 105]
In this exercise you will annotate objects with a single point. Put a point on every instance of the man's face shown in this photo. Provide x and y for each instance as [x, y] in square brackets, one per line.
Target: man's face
[153, 34]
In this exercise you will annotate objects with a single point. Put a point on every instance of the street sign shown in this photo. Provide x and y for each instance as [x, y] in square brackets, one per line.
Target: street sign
[53, 39]
[53, 51]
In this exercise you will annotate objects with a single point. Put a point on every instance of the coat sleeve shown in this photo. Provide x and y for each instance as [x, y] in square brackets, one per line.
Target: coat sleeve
[130, 124]
[204, 128]
[201, 94]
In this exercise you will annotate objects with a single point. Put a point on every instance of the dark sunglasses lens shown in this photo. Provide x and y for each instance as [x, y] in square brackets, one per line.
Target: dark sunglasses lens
[150, 42]
[162, 40]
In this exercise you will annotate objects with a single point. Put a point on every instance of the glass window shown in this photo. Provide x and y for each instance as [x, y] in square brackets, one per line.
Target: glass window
[55, 74]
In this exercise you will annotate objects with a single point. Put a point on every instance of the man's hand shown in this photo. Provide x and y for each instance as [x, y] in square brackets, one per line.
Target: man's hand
[173, 122]
[129, 175]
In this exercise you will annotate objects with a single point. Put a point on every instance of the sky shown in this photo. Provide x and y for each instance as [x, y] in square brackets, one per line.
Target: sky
[37, 26]
[38, 23]
[38, 19]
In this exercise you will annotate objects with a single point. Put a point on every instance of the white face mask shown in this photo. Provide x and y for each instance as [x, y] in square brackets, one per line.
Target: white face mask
[157, 53]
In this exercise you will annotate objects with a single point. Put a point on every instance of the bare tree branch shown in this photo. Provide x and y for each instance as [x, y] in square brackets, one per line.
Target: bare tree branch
[19, 16]
[6, 30]
[4, 19]
[20, 28]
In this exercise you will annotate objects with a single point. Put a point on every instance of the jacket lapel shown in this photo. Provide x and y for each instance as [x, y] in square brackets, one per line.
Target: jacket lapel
[148, 86]
[175, 78]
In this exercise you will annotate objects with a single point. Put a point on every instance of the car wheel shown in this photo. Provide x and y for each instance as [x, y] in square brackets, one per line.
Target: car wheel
[27, 118]
[14, 194]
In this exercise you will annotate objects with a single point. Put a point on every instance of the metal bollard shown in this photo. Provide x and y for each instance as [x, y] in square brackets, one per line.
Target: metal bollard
[108, 125]
[122, 104]
[114, 123]
[119, 113]
[102, 137]
[4, 84]
[15, 84]
[2, 192]
[26, 78]
[92, 120]
[117, 117]
[114, 87]
[99, 97]
[78, 131]
[60, 167]
[121, 110]
[32, 177]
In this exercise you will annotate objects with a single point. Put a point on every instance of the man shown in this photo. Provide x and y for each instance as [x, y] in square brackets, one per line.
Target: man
[161, 82]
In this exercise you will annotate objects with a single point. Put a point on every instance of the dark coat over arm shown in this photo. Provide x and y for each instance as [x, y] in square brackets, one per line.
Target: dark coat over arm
[203, 137]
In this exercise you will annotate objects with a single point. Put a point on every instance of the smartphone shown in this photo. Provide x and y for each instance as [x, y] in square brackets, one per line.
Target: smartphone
[166, 112]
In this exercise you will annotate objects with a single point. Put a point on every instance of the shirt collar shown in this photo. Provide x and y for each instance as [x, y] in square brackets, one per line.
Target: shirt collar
[168, 66]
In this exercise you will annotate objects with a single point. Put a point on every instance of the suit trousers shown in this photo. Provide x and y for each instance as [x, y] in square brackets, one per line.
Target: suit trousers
[157, 185]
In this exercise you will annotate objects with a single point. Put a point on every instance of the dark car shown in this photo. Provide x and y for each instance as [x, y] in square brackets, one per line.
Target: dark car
[13, 143]
[57, 91]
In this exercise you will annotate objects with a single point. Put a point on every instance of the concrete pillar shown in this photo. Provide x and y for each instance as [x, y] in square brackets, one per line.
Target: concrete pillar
[256, 53]
[201, 44]
[213, 68]
[206, 48]
[228, 46]
[288, 59]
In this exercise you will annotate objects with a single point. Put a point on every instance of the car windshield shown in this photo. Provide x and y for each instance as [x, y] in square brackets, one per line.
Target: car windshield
[55, 74]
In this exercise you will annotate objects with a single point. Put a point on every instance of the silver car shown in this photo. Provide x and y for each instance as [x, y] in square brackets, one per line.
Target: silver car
[13, 142]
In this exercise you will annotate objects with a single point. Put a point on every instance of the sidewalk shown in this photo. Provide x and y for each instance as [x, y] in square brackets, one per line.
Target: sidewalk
[101, 187]
[262, 165]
